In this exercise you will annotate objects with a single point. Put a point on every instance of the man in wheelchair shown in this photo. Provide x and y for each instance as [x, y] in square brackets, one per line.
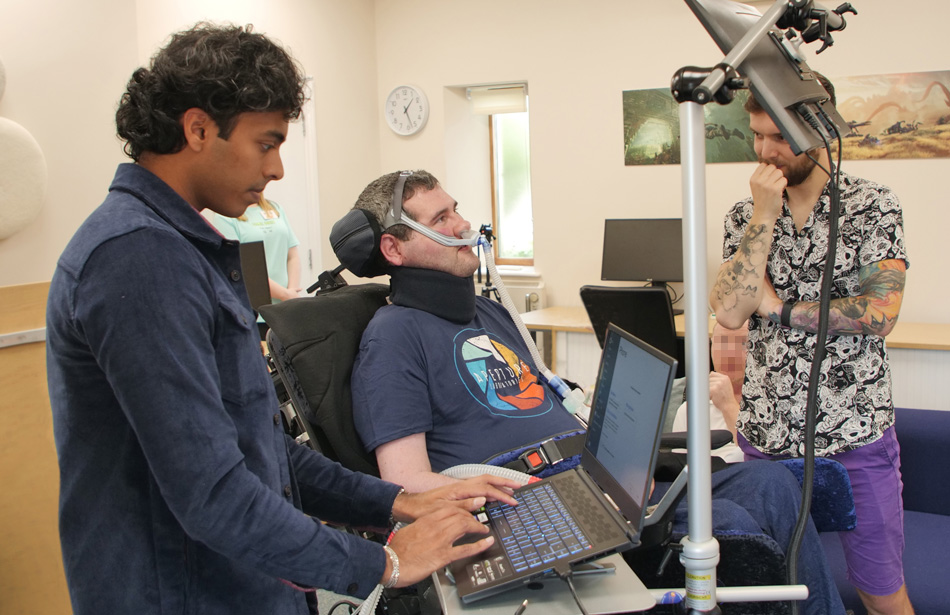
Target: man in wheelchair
[443, 376]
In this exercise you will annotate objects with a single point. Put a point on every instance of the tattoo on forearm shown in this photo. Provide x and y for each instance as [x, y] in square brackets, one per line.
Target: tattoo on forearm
[873, 312]
[753, 241]
[743, 275]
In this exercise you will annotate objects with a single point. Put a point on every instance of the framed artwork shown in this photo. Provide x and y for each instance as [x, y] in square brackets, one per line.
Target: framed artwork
[904, 115]
[892, 116]
[651, 132]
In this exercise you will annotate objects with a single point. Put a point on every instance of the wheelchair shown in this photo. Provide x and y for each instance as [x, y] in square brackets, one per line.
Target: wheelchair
[313, 342]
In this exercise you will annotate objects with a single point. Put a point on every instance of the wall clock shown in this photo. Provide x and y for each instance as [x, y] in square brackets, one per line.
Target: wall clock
[406, 109]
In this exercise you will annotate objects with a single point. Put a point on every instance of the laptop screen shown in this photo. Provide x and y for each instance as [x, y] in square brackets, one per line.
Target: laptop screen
[626, 419]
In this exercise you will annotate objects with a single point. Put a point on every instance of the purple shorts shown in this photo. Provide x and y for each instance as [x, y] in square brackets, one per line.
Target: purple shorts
[874, 549]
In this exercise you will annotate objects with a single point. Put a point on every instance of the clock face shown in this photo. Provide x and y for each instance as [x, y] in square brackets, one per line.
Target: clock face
[406, 110]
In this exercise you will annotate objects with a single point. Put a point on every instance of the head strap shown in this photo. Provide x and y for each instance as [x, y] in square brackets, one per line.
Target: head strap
[395, 216]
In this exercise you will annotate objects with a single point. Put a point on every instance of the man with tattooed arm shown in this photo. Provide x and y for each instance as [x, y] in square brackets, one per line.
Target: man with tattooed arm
[774, 249]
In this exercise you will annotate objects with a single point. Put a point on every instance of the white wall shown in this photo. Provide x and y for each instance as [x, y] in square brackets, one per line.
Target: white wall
[334, 40]
[578, 56]
[67, 66]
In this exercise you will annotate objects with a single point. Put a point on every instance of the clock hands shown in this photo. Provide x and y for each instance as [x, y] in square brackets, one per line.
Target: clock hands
[414, 109]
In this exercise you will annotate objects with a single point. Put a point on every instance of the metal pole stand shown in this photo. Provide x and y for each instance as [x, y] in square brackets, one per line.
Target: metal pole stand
[692, 87]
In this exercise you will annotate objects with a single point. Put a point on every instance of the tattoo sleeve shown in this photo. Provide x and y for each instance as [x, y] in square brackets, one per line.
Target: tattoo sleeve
[873, 312]
[741, 277]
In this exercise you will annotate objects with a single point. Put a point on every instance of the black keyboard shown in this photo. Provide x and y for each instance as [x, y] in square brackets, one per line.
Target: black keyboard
[539, 530]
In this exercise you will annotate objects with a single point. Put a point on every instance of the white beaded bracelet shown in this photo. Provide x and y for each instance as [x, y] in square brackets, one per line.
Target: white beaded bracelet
[394, 576]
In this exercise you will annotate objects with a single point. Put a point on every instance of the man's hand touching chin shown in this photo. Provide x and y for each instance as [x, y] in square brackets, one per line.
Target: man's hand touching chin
[768, 186]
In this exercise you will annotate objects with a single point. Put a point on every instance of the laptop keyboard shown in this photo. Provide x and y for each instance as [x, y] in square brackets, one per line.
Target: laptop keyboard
[539, 530]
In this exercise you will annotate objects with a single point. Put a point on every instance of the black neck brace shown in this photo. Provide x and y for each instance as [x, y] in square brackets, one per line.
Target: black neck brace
[436, 292]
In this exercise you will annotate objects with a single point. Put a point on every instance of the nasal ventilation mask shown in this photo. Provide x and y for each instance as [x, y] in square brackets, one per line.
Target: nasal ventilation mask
[395, 216]
[355, 237]
[355, 240]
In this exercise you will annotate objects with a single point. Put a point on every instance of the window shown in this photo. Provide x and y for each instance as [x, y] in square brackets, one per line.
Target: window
[511, 188]
[506, 106]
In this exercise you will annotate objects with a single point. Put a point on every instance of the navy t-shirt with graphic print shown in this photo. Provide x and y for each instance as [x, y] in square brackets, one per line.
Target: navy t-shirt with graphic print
[473, 389]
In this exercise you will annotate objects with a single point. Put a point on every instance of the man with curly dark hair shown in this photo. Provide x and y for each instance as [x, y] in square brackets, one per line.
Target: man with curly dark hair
[179, 490]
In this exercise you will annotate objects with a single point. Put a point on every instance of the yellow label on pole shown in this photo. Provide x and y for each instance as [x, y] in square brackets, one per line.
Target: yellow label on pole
[699, 590]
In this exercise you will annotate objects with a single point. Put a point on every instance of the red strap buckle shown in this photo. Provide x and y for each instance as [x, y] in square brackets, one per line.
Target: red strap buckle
[533, 460]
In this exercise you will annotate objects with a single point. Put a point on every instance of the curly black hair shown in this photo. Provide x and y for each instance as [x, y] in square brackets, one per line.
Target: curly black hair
[224, 70]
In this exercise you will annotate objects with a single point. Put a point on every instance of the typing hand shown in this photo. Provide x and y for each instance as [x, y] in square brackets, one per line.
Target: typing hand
[427, 544]
[467, 495]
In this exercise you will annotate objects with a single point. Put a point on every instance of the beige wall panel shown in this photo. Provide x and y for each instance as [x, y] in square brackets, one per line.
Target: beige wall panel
[32, 581]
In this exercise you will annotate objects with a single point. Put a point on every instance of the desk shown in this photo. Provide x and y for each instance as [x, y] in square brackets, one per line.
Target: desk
[549, 321]
[617, 592]
[918, 353]
[575, 319]
[914, 335]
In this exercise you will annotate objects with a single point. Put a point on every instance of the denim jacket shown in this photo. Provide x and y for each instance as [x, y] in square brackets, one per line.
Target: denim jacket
[180, 492]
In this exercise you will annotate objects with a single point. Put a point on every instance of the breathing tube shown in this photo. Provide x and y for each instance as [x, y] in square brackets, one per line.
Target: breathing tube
[572, 399]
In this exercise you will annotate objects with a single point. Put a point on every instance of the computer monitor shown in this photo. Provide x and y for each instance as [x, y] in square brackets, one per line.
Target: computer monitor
[779, 81]
[643, 250]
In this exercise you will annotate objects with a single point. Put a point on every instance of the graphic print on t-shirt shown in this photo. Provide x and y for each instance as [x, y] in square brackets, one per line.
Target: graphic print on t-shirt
[497, 377]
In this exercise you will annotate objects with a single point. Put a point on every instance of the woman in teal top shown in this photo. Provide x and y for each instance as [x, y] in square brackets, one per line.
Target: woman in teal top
[267, 222]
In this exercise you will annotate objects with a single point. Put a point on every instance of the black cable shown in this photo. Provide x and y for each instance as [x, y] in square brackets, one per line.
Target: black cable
[674, 298]
[570, 584]
[352, 605]
[811, 410]
[672, 291]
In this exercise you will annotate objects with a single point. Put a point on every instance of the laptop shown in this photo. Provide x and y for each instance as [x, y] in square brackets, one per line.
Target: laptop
[597, 508]
[254, 269]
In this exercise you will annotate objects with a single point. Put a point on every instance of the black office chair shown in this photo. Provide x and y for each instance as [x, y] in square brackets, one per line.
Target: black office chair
[645, 311]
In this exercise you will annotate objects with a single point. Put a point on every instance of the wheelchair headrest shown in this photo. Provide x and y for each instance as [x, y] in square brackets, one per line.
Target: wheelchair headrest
[355, 241]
